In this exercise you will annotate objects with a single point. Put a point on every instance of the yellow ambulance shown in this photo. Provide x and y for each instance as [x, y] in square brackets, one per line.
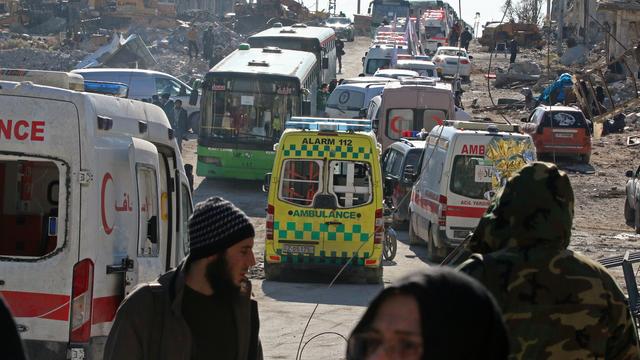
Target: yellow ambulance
[325, 199]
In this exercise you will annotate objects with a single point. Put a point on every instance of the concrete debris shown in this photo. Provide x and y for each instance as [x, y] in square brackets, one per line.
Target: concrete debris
[120, 52]
[40, 59]
[576, 55]
[520, 73]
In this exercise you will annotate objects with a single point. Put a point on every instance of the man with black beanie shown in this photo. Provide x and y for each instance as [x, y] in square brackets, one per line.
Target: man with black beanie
[203, 308]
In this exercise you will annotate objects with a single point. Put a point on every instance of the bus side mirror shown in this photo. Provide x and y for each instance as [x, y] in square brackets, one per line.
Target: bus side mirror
[325, 63]
[193, 98]
[267, 182]
[306, 108]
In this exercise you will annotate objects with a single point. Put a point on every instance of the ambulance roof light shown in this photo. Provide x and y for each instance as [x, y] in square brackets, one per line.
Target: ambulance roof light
[328, 124]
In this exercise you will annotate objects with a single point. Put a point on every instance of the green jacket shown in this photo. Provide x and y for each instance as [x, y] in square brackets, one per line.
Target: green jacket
[557, 304]
[149, 323]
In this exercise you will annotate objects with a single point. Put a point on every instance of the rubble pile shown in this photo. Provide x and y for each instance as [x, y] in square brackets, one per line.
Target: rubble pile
[40, 59]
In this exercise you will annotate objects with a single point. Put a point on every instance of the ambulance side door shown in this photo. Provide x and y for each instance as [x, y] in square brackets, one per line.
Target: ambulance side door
[146, 250]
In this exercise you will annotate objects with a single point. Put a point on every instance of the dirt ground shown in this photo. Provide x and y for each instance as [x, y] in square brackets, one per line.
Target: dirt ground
[599, 231]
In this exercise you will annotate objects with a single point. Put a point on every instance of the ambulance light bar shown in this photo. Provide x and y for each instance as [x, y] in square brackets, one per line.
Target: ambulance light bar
[469, 125]
[328, 124]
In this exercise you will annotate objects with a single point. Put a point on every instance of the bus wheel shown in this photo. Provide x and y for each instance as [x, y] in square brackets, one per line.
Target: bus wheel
[373, 275]
[272, 271]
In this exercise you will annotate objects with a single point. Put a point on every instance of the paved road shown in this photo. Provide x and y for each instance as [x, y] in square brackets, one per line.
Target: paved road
[285, 307]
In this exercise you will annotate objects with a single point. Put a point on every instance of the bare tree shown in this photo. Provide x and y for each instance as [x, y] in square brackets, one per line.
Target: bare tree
[525, 11]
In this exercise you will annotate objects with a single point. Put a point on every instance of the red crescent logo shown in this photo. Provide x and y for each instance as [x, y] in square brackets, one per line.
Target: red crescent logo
[107, 229]
[394, 120]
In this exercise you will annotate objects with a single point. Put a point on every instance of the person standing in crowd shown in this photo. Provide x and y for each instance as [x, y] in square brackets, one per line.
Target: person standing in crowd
[339, 53]
[513, 50]
[465, 38]
[182, 122]
[192, 38]
[155, 100]
[168, 107]
[11, 348]
[323, 96]
[207, 44]
[332, 85]
[556, 303]
[203, 308]
[455, 35]
[276, 126]
[425, 316]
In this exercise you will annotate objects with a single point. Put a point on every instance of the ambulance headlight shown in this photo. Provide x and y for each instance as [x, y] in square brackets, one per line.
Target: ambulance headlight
[211, 160]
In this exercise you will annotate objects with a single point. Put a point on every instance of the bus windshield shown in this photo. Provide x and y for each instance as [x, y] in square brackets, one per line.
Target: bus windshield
[244, 110]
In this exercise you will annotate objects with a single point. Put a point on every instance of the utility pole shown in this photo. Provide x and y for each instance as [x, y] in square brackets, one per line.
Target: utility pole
[358, 12]
[560, 25]
[316, 6]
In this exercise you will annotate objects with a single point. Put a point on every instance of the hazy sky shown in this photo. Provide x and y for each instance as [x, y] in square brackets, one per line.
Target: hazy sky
[488, 9]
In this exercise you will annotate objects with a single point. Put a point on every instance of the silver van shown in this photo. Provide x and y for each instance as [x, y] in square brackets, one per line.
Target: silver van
[145, 83]
[346, 101]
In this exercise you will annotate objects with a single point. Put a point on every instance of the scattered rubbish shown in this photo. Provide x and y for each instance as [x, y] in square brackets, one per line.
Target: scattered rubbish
[633, 140]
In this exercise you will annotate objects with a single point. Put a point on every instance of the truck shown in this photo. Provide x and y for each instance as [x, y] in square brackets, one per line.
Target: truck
[94, 199]
[527, 35]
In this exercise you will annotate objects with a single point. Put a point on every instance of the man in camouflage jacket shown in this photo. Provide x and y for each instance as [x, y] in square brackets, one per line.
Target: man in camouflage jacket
[557, 304]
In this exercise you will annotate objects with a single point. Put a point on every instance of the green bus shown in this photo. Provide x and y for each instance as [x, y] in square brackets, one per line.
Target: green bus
[246, 100]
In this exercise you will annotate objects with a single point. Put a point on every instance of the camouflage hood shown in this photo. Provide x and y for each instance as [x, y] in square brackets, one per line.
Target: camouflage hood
[535, 207]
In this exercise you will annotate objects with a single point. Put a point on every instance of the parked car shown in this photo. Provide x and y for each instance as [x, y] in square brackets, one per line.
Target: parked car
[422, 67]
[632, 200]
[453, 60]
[404, 156]
[143, 84]
[342, 26]
[346, 101]
[395, 73]
[562, 130]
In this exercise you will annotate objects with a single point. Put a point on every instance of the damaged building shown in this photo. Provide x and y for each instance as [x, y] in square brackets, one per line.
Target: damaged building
[589, 22]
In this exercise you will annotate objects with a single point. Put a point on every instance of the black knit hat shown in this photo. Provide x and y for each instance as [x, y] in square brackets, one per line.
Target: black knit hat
[215, 225]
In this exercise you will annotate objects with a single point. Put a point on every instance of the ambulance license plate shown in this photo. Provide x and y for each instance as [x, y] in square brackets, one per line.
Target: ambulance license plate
[564, 135]
[298, 249]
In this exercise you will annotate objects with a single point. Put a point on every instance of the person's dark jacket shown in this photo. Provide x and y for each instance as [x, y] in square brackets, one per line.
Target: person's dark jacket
[168, 108]
[11, 348]
[466, 37]
[149, 324]
[459, 318]
[182, 121]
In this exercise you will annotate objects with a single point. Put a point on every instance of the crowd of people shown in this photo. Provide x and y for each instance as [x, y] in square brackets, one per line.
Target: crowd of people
[521, 294]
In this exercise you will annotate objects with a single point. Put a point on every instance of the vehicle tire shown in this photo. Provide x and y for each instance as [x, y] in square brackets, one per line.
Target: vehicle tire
[271, 271]
[373, 275]
[194, 122]
[585, 158]
[414, 239]
[432, 250]
[390, 244]
[629, 214]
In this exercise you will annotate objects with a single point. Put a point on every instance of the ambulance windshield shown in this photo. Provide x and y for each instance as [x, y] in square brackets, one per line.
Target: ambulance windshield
[30, 194]
[468, 177]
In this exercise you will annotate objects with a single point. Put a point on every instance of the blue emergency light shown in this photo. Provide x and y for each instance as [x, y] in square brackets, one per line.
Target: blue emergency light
[328, 124]
[106, 88]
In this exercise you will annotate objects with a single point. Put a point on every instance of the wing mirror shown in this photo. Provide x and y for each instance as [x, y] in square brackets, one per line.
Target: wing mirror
[388, 187]
[267, 182]
[410, 175]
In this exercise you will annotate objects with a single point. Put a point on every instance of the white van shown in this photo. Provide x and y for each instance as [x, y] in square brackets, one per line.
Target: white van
[422, 67]
[346, 101]
[94, 199]
[143, 84]
[379, 56]
[464, 163]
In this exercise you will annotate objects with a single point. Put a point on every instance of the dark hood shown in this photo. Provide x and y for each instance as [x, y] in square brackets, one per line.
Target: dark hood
[535, 207]
[460, 319]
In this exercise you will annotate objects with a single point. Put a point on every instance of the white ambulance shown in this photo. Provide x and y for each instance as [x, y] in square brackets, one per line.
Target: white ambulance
[463, 164]
[93, 200]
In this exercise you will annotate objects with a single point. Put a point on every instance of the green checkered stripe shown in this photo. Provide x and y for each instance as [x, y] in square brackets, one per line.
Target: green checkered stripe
[311, 231]
[321, 151]
[333, 259]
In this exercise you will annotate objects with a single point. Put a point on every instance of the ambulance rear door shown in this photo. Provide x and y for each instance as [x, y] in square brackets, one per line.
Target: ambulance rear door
[149, 249]
[470, 178]
[40, 186]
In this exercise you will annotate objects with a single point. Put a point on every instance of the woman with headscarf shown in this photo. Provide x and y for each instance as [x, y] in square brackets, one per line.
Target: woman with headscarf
[437, 315]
